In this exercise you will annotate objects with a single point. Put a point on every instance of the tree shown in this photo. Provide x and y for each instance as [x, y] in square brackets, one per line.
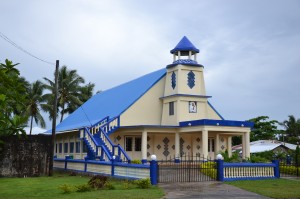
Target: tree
[86, 92]
[35, 99]
[292, 129]
[71, 93]
[263, 129]
[12, 100]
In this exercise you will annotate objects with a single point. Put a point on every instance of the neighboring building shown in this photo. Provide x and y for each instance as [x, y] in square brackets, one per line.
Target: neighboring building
[166, 113]
[267, 145]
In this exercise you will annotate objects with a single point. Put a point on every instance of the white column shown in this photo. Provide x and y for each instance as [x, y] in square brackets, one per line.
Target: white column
[177, 145]
[195, 56]
[229, 146]
[243, 146]
[179, 54]
[217, 144]
[247, 144]
[63, 147]
[190, 54]
[144, 146]
[204, 143]
[174, 57]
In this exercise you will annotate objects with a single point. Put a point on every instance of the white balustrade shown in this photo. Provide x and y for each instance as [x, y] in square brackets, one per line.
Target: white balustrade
[245, 172]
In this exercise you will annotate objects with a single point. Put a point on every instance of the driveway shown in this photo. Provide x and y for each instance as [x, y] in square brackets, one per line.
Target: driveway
[203, 190]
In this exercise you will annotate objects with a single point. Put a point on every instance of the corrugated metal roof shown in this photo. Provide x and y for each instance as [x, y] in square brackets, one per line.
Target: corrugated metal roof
[111, 102]
[265, 145]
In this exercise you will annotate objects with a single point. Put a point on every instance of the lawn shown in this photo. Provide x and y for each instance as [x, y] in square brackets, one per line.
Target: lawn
[47, 187]
[275, 188]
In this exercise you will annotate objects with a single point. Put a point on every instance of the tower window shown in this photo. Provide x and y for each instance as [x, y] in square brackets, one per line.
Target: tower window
[171, 108]
[191, 79]
[173, 80]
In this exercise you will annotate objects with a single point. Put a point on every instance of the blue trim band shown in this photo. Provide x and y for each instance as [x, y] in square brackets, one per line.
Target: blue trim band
[151, 126]
[216, 123]
[185, 95]
[247, 178]
[173, 65]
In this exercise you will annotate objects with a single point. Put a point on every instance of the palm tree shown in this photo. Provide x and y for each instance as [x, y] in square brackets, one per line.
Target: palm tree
[35, 94]
[86, 92]
[292, 128]
[49, 98]
[68, 88]
[70, 92]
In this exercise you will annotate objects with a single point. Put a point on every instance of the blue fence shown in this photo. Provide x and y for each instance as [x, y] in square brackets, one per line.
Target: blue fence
[109, 168]
[225, 171]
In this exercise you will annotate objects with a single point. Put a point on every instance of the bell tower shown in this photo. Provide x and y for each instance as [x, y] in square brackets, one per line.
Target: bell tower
[184, 94]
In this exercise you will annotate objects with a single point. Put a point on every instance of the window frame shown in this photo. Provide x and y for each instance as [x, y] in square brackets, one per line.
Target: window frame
[171, 108]
[135, 144]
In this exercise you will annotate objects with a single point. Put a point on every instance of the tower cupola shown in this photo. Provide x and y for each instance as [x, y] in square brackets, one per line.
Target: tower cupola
[184, 53]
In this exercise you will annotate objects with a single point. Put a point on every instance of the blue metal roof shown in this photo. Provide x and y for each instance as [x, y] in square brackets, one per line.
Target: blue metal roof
[111, 102]
[185, 45]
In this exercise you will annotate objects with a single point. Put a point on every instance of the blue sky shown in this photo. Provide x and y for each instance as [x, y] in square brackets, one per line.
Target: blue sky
[250, 49]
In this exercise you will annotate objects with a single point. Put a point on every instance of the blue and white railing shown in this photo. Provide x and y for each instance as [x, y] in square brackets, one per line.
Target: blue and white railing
[95, 149]
[247, 171]
[113, 168]
[96, 127]
[112, 125]
[98, 141]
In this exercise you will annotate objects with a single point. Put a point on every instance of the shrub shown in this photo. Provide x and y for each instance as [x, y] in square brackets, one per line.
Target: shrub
[129, 184]
[143, 183]
[98, 181]
[234, 157]
[83, 188]
[109, 185]
[66, 188]
[209, 169]
[136, 162]
[258, 159]
[291, 170]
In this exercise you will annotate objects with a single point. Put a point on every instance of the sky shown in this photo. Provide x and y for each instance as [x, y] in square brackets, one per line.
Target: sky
[250, 49]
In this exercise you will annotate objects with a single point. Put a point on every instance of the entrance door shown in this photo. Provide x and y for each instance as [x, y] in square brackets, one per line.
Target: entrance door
[211, 148]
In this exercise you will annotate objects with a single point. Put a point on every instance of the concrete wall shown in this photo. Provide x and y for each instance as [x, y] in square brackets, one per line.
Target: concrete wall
[25, 157]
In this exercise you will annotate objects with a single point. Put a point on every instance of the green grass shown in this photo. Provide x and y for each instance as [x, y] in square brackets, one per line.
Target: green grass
[275, 188]
[47, 187]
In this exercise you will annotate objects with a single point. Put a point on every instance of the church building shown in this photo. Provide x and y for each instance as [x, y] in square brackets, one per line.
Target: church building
[166, 113]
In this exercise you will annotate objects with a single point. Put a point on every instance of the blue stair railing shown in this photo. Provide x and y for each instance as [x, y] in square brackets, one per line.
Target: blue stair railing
[111, 125]
[98, 141]
[95, 149]
[95, 127]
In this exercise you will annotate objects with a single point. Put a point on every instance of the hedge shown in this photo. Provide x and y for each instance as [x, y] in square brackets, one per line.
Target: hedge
[209, 169]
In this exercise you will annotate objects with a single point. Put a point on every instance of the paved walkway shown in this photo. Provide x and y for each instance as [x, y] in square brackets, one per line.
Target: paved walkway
[203, 190]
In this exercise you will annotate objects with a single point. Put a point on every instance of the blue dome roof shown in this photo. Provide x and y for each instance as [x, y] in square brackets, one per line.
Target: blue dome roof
[184, 46]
